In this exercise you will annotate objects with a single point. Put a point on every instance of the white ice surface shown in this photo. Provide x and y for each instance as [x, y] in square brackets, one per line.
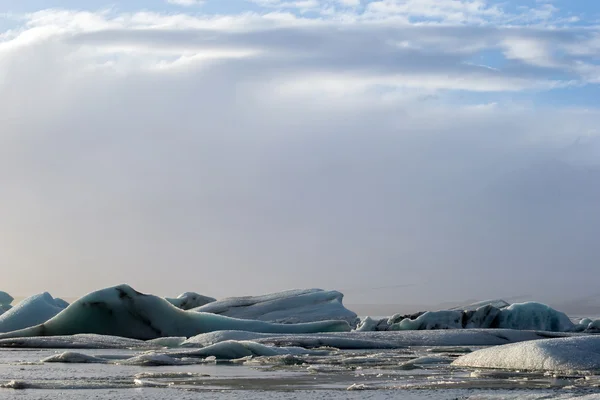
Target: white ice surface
[122, 311]
[29, 312]
[291, 306]
[564, 354]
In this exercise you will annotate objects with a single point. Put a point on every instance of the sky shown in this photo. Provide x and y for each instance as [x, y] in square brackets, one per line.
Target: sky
[400, 151]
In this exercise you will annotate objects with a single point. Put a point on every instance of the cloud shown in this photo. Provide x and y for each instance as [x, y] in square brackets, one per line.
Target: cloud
[175, 151]
[186, 3]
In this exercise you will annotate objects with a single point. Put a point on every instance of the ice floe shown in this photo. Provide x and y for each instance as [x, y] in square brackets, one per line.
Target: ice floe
[81, 341]
[122, 311]
[563, 354]
[73, 357]
[291, 306]
[377, 340]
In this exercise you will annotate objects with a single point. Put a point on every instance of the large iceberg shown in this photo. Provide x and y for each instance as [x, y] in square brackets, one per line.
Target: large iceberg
[29, 312]
[291, 306]
[122, 311]
[521, 316]
[564, 354]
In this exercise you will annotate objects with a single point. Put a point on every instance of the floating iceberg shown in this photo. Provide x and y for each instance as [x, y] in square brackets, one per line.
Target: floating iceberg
[122, 311]
[189, 300]
[291, 306]
[29, 312]
[5, 298]
[580, 353]
[521, 316]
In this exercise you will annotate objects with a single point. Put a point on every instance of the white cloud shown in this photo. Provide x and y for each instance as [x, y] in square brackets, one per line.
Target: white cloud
[186, 3]
[272, 145]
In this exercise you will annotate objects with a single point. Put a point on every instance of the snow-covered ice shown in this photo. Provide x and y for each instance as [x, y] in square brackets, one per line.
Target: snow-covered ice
[563, 354]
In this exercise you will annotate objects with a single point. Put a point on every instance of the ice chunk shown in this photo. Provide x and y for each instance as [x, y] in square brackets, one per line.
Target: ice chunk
[291, 306]
[521, 316]
[122, 311]
[152, 360]
[72, 357]
[5, 298]
[29, 312]
[594, 326]
[368, 324]
[580, 353]
[189, 300]
[532, 315]
[420, 361]
[83, 341]
[431, 320]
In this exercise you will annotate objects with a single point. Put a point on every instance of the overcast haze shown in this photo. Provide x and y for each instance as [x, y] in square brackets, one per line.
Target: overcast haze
[449, 148]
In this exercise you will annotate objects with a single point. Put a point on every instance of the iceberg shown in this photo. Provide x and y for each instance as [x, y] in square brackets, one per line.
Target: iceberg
[29, 312]
[520, 316]
[189, 300]
[122, 311]
[532, 315]
[5, 298]
[581, 353]
[291, 306]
